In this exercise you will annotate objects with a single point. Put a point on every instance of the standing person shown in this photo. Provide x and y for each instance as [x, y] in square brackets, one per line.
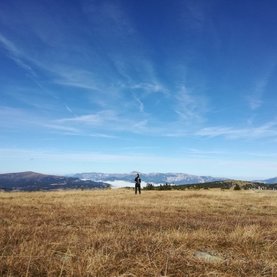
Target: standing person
[137, 184]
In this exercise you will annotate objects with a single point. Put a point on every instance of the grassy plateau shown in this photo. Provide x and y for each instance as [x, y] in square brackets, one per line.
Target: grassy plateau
[157, 233]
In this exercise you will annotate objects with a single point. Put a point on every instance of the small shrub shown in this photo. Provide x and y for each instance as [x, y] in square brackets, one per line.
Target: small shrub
[237, 187]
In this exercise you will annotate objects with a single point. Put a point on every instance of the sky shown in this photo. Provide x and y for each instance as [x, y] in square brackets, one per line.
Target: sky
[131, 85]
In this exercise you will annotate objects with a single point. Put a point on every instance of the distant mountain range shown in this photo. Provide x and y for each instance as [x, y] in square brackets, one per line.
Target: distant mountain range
[154, 178]
[32, 181]
[270, 181]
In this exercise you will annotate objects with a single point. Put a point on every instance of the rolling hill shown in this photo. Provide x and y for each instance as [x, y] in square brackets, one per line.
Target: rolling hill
[232, 184]
[32, 181]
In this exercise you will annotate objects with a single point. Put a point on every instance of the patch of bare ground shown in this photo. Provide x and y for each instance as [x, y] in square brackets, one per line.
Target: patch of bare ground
[157, 233]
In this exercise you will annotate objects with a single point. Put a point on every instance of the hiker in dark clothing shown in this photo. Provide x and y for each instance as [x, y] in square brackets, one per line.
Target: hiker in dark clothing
[137, 184]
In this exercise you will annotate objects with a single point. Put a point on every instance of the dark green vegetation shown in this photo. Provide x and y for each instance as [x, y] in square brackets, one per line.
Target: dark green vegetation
[226, 184]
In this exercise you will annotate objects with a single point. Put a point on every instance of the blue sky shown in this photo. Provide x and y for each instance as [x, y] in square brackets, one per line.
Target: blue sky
[154, 86]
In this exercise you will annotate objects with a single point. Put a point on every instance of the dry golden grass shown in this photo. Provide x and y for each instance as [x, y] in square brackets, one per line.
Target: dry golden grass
[158, 233]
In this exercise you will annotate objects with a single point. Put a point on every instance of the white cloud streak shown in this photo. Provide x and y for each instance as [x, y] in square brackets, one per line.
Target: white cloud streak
[68, 108]
[90, 119]
[190, 107]
[149, 87]
[216, 153]
[267, 130]
[103, 92]
[106, 121]
[255, 99]
[11, 118]
[66, 129]
[16, 55]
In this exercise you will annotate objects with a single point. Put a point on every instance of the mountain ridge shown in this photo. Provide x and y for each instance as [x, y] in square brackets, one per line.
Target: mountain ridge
[153, 177]
[158, 177]
[33, 181]
[270, 180]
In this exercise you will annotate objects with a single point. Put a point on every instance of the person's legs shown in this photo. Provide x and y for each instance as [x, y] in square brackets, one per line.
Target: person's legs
[139, 189]
[136, 188]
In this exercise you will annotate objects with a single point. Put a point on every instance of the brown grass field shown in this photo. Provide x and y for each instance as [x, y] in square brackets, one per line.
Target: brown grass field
[157, 233]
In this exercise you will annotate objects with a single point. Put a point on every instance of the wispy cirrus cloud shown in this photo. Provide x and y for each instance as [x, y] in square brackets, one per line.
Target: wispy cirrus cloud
[129, 61]
[17, 119]
[59, 71]
[106, 121]
[13, 118]
[75, 77]
[68, 108]
[9, 46]
[110, 75]
[216, 153]
[74, 131]
[107, 15]
[90, 119]
[106, 136]
[190, 107]
[16, 54]
[255, 98]
[61, 128]
[151, 87]
[139, 103]
[267, 130]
